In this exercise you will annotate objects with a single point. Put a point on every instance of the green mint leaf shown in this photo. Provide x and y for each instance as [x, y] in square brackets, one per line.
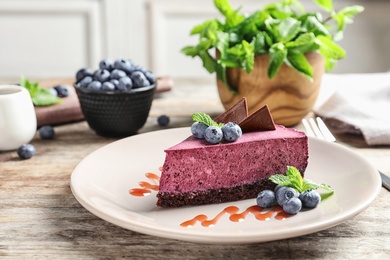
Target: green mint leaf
[280, 179]
[295, 178]
[351, 11]
[327, 5]
[278, 53]
[259, 43]
[249, 56]
[190, 51]
[330, 51]
[288, 29]
[232, 16]
[39, 96]
[303, 44]
[45, 98]
[202, 28]
[205, 119]
[312, 24]
[324, 196]
[208, 61]
[299, 62]
[222, 43]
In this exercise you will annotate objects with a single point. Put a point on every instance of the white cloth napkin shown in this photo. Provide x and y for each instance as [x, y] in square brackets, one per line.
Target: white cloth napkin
[357, 103]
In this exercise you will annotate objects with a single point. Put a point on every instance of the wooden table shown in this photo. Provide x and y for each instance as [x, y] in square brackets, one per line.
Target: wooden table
[40, 218]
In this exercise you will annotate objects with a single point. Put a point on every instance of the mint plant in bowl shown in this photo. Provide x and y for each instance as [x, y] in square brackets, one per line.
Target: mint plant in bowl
[276, 55]
[116, 98]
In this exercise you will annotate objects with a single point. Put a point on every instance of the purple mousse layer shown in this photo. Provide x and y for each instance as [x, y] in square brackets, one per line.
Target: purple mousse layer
[194, 166]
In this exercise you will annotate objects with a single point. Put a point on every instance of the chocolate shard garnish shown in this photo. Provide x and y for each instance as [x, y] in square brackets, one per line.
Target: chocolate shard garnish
[260, 120]
[236, 113]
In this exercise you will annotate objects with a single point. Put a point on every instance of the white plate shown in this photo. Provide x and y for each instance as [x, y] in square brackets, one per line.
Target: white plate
[102, 180]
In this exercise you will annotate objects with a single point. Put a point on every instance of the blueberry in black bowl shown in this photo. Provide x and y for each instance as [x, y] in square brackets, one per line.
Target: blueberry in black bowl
[115, 103]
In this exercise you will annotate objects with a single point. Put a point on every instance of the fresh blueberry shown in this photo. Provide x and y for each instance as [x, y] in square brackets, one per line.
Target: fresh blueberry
[284, 194]
[105, 64]
[140, 68]
[85, 81]
[139, 79]
[266, 199]
[82, 73]
[62, 90]
[26, 151]
[108, 86]
[277, 188]
[213, 134]
[115, 82]
[124, 65]
[163, 120]
[117, 74]
[125, 84]
[198, 130]
[53, 92]
[231, 132]
[150, 77]
[46, 132]
[101, 75]
[95, 85]
[292, 206]
[310, 198]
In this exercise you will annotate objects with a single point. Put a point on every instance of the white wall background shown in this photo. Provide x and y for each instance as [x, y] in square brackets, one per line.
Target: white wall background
[54, 38]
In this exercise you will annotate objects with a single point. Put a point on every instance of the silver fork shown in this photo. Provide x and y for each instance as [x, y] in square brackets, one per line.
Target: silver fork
[317, 128]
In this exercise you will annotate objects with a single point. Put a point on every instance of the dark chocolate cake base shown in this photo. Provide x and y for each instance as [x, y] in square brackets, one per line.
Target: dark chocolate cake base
[246, 191]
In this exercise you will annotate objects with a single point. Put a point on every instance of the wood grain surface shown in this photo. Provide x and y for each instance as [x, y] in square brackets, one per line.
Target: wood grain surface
[41, 219]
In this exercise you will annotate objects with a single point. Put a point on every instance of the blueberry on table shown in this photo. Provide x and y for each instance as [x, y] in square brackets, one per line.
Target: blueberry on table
[62, 90]
[266, 199]
[292, 206]
[26, 151]
[53, 92]
[198, 130]
[46, 132]
[95, 85]
[163, 120]
[82, 73]
[284, 194]
[106, 64]
[310, 198]
[231, 131]
[101, 75]
[213, 134]
[125, 84]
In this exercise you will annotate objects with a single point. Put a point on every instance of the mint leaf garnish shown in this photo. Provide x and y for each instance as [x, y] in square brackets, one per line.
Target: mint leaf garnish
[293, 178]
[205, 119]
[39, 96]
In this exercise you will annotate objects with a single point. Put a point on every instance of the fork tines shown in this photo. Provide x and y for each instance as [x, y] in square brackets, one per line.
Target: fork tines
[317, 128]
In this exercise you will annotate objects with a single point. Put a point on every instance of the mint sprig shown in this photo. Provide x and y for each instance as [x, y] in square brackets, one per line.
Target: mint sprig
[39, 96]
[293, 178]
[205, 119]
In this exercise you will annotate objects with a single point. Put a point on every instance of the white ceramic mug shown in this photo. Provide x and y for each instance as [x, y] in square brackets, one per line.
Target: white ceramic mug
[18, 122]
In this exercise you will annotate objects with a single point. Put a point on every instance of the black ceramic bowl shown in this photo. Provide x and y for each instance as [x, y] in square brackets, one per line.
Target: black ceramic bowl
[116, 114]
